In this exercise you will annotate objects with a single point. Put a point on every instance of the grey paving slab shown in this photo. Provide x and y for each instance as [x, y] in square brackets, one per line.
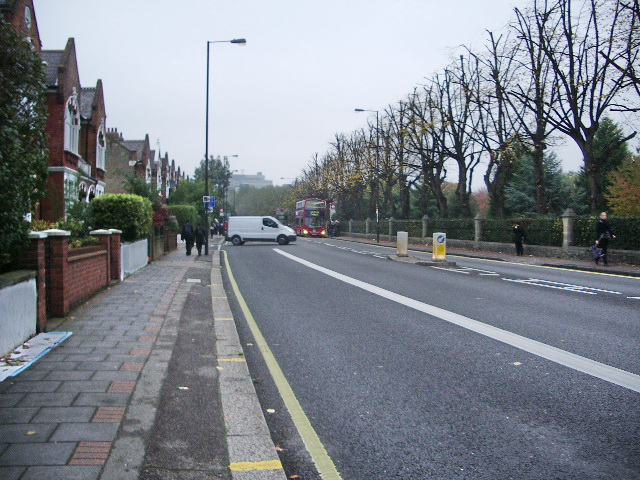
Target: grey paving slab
[99, 366]
[37, 454]
[26, 432]
[36, 386]
[17, 415]
[70, 375]
[11, 473]
[32, 375]
[84, 386]
[101, 400]
[92, 357]
[45, 364]
[10, 399]
[64, 399]
[86, 432]
[121, 376]
[71, 472]
[64, 414]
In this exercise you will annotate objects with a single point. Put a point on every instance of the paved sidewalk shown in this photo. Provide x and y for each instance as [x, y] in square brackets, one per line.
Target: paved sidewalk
[91, 408]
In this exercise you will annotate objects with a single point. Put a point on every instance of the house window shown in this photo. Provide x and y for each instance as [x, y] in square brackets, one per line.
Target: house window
[101, 148]
[72, 125]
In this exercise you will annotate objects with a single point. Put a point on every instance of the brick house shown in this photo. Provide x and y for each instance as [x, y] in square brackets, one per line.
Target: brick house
[76, 129]
[125, 158]
[93, 141]
[22, 17]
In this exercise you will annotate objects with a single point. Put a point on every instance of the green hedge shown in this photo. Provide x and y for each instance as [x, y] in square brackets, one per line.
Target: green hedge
[132, 214]
[184, 213]
[544, 231]
[626, 230]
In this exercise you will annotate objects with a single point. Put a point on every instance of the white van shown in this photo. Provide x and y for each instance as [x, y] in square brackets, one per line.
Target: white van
[263, 229]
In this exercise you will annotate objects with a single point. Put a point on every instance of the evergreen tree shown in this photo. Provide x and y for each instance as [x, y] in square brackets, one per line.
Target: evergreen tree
[23, 142]
[520, 193]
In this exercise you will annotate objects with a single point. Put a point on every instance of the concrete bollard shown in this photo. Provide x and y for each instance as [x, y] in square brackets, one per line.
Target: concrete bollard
[403, 244]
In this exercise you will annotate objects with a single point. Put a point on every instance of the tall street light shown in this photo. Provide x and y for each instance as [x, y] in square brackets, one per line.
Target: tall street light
[237, 41]
[377, 167]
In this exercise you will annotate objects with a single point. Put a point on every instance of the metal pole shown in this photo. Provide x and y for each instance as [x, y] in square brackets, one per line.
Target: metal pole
[206, 160]
[377, 176]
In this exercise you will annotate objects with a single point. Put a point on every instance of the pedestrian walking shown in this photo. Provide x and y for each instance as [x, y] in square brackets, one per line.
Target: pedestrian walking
[519, 236]
[200, 237]
[187, 235]
[603, 234]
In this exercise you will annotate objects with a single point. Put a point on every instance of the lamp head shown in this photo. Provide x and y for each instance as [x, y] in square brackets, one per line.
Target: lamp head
[239, 41]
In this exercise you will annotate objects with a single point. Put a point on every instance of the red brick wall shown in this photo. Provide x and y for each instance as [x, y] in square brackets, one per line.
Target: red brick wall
[66, 278]
[88, 273]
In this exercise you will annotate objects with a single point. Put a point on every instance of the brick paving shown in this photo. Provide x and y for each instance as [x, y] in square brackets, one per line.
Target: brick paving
[60, 418]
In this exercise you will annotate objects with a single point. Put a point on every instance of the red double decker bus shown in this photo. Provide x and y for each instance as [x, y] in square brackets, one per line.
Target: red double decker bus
[311, 218]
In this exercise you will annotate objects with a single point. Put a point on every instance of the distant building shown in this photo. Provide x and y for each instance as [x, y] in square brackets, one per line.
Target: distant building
[135, 158]
[257, 181]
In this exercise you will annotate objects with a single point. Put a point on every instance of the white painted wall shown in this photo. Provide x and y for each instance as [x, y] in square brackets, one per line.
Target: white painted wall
[135, 255]
[18, 314]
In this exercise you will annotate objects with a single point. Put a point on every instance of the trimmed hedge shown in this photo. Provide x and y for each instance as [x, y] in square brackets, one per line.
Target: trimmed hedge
[543, 231]
[132, 214]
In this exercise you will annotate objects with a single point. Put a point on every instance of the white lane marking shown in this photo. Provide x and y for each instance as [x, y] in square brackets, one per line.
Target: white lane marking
[562, 286]
[571, 360]
[454, 270]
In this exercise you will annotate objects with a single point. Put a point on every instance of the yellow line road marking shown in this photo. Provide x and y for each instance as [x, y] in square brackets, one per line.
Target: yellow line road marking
[249, 466]
[231, 360]
[319, 455]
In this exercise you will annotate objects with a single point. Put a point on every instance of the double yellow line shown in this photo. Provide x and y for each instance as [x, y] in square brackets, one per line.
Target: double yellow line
[319, 455]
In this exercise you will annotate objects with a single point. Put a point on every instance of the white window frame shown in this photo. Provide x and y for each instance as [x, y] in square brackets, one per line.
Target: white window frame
[72, 124]
[101, 147]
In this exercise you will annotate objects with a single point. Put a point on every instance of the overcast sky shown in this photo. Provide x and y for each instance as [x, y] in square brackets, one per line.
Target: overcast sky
[282, 97]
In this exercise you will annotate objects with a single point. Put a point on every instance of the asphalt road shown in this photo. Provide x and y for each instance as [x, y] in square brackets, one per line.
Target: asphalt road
[489, 370]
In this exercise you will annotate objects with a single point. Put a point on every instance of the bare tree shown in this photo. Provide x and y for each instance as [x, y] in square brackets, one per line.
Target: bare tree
[498, 130]
[537, 91]
[459, 116]
[425, 141]
[582, 52]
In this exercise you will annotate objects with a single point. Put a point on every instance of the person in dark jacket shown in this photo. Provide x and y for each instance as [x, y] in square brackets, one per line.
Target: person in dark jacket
[603, 234]
[201, 237]
[187, 236]
[518, 237]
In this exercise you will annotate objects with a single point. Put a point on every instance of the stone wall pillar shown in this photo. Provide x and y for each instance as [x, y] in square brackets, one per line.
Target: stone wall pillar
[425, 227]
[478, 223]
[568, 222]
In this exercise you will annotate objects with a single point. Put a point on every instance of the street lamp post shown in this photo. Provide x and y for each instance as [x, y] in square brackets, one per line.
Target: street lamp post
[238, 41]
[377, 167]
